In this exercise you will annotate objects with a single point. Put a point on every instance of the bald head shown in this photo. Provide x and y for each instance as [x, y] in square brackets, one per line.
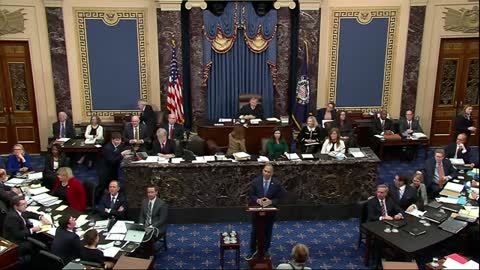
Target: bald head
[172, 119]
[461, 138]
[135, 121]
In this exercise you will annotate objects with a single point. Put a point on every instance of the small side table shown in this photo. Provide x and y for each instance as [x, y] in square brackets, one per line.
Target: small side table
[235, 247]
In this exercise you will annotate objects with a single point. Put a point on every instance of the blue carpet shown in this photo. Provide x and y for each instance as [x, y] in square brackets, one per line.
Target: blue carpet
[332, 243]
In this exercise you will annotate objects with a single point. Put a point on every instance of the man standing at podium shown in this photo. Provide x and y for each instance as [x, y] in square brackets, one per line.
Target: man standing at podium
[266, 191]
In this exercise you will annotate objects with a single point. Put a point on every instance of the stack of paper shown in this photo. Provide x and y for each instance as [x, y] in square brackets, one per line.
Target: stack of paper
[111, 252]
[457, 161]
[263, 159]
[225, 120]
[34, 175]
[36, 191]
[90, 141]
[119, 227]
[46, 199]
[241, 156]
[419, 135]
[452, 190]
[273, 119]
[307, 156]
[356, 152]
[63, 140]
[177, 160]
[255, 121]
[101, 224]
[14, 182]
[199, 159]
[81, 220]
[292, 156]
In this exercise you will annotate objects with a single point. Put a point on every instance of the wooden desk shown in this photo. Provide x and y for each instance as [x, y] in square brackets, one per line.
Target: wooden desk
[78, 146]
[125, 262]
[253, 134]
[382, 144]
[9, 257]
[230, 246]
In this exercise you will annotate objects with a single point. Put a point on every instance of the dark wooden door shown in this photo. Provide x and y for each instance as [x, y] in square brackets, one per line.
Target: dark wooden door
[456, 86]
[18, 115]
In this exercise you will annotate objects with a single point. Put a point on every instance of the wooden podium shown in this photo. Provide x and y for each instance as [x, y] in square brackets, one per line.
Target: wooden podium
[261, 213]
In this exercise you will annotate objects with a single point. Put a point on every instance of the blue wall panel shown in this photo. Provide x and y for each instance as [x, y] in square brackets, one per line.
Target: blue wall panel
[361, 62]
[114, 67]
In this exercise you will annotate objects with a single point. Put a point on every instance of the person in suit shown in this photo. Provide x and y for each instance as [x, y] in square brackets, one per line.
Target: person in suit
[17, 226]
[7, 193]
[147, 116]
[409, 125]
[459, 149]
[300, 254]
[437, 171]
[327, 113]
[113, 204]
[136, 134]
[251, 110]
[174, 130]
[276, 145]
[154, 212]
[346, 128]
[420, 188]
[464, 122]
[236, 140]
[401, 192]
[162, 146]
[90, 253]
[113, 154]
[265, 191]
[333, 145]
[70, 190]
[93, 131]
[55, 159]
[382, 207]
[383, 125]
[63, 128]
[18, 161]
[66, 243]
[312, 134]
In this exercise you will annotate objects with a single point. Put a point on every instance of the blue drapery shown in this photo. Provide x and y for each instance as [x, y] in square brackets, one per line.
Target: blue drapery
[240, 68]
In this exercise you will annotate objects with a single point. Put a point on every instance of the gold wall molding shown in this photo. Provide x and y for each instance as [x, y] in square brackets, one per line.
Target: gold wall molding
[169, 5]
[461, 20]
[363, 16]
[196, 4]
[12, 22]
[53, 3]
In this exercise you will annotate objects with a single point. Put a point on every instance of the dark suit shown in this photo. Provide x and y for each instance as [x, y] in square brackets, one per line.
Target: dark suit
[169, 148]
[69, 129]
[159, 215]
[403, 125]
[274, 193]
[105, 203]
[17, 229]
[452, 148]
[6, 194]
[143, 134]
[409, 196]
[178, 131]
[66, 245]
[149, 118]
[462, 124]
[429, 172]
[49, 173]
[247, 110]
[318, 134]
[375, 211]
[321, 115]
[110, 163]
[377, 126]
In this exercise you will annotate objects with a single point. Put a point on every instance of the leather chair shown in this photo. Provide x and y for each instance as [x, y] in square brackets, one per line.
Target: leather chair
[48, 260]
[363, 210]
[264, 150]
[90, 189]
[197, 145]
[244, 99]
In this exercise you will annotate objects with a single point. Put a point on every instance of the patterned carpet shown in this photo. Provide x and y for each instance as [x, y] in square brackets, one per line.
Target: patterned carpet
[332, 243]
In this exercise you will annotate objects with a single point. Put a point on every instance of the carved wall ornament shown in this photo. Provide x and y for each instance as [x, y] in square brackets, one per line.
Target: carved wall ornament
[462, 20]
[12, 22]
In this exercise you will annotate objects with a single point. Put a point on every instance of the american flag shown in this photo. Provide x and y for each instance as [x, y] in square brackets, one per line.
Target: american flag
[174, 98]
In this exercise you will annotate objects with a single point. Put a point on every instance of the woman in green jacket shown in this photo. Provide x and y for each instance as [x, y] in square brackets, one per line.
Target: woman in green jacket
[276, 146]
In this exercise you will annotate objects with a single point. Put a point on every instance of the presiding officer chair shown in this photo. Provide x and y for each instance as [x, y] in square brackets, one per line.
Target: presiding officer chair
[244, 99]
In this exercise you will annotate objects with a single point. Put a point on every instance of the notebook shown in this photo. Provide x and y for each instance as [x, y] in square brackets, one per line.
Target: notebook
[396, 223]
[414, 230]
[452, 225]
[435, 215]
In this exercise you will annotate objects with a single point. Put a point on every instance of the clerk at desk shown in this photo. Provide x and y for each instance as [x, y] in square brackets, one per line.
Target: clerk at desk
[252, 110]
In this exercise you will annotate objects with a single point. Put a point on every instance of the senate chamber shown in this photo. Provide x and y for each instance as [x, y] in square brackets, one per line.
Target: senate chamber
[255, 134]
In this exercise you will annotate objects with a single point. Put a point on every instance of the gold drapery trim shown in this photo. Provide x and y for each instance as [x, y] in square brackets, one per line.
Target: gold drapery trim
[221, 43]
[206, 71]
[273, 70]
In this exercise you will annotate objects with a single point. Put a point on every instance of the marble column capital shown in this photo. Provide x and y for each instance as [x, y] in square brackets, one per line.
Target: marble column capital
[196, 3]
[284, 3]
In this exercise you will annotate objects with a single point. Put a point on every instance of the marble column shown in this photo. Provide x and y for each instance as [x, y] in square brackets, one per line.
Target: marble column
[169, 27]
[199, 93]
[284, 30]
[412, 57]
[310, 32]
[58, 53]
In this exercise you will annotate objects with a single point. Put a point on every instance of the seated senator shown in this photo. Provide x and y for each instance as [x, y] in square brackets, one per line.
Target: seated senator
[63, 128]
[7, 193]
[420, 188]
[333, 145]
[409, 125]
[437, 172]
[136, 134]
[70, 190]
[459, 149]
[401, 192]
[154, 212]
[276, 145]
[345, 127]
[66, 243]
[383, 125]
[113, 204]
[93, 131]
[310, 137]
[236, 140]
[90, 253]
[382, 207]
[251, 110]
[327, 113]
[162, 146]
[174, 130]
[19, 161]
[55, 159]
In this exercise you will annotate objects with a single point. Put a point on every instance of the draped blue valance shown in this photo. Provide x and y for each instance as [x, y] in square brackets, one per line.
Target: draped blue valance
[239, 56]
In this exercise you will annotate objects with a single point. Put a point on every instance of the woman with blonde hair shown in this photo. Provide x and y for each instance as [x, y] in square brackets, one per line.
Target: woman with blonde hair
[311, 136]
[70, 190]
[18, 161]
[464, 122]
[236, 140]
[420, 188]
[300, 254]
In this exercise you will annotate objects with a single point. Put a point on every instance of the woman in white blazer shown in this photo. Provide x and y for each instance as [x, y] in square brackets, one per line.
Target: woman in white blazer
[93, 131]
[333, 145]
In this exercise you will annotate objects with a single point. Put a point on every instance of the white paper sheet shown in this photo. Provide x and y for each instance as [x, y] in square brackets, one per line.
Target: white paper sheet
[471, 265]
[61, 208]
[452, 264]
[292, 156]
[111, 252]
[307, 156]
[263, 159]
[119, 227]
[447, 200]
[115, 236]
[36, 191]
[454, 187]
[63, 139]
[35, 175]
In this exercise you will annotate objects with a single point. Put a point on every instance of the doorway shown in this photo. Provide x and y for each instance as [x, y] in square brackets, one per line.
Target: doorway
[18, 115]
[457, 85]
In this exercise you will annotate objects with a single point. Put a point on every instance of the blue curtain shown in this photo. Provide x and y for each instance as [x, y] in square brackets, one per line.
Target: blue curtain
[239, 69]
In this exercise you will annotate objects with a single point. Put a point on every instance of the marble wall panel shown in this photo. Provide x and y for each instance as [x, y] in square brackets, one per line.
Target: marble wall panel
[58, 53]
[310, 32]
[169, 27]
[199, 94]
[412, 58]
[284, 28]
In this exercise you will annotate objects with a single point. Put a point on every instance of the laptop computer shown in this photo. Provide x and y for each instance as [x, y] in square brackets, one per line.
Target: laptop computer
[396, 223]
[435, 215]
[135, 233]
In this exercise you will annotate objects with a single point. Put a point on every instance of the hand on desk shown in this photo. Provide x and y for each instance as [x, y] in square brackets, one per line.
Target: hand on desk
[398, 217]
[387, 218]
[45, 221]
[36, 229]
[120, 209]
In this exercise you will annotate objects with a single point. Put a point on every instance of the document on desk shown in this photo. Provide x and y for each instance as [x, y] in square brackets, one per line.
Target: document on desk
[307, 156]
[452, 264]
[33, 209]
[106, 246]
[101, 223]
[209, 158]
[36, 191]
[14, 182]
[111, 252]
[61, 208]
[457, 161]
[263, 159]
[177, 160]
[356, 152]
[35, 175]
[90, 141]
[115, 236]
[292, 156]
[454, 187]
[119, 227]
[81, 220]
[379, 136]
[447, 200]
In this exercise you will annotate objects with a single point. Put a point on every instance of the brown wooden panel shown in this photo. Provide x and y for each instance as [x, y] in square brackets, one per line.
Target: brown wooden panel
[25, 134]
[3, 135]
[442, 127]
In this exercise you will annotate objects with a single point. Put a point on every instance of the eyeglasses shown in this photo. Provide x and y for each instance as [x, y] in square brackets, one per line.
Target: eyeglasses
[17, 149]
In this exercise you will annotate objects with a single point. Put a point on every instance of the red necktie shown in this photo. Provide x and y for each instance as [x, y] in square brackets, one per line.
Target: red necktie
[441, 175]
[170, 133]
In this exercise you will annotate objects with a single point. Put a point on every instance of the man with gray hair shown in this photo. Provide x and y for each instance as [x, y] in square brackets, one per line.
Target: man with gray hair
[437, 172]
[136, 134]
[383, 207]
[63, 128]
